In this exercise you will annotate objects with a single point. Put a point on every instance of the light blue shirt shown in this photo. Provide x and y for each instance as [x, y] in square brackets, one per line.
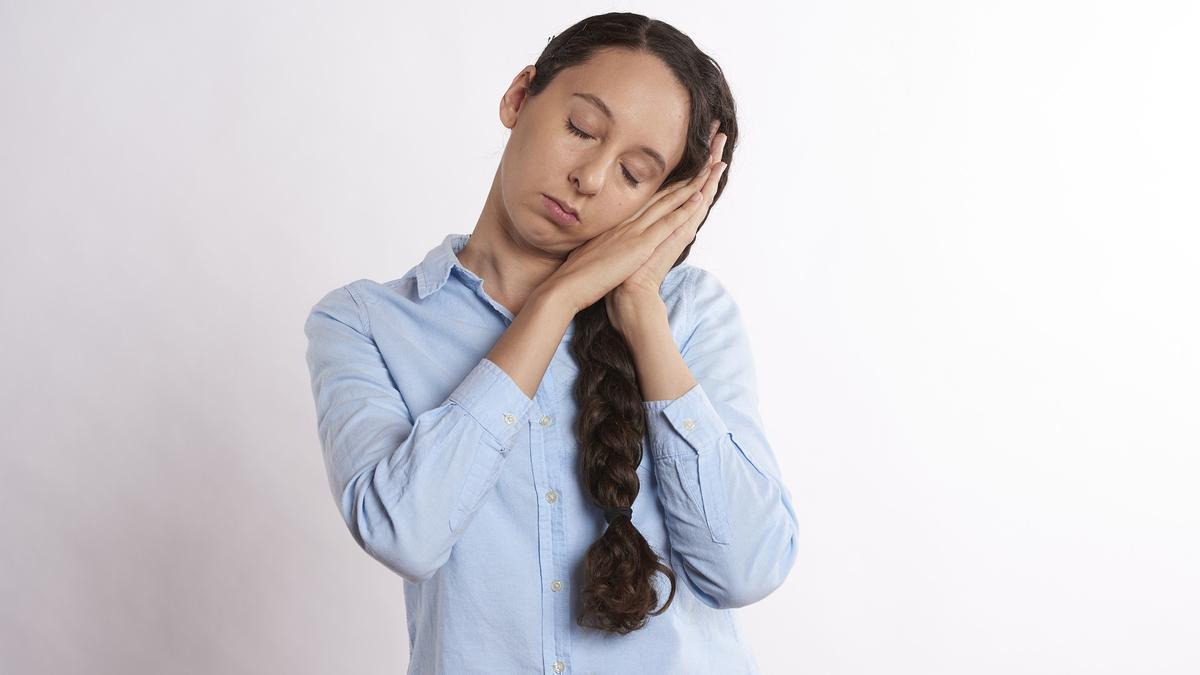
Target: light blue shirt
[448, 474]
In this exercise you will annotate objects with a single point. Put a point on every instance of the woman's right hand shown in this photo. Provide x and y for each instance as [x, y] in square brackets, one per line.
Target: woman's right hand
[599, 265]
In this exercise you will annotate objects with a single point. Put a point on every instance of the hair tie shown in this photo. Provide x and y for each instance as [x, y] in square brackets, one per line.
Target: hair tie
[614, 512]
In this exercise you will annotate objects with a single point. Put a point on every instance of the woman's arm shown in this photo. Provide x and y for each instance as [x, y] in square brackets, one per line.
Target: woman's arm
[408, 487]
[528, 345]
[729, 516]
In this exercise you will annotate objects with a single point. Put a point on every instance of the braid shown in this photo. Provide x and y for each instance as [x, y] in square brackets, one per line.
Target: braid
[618, 594]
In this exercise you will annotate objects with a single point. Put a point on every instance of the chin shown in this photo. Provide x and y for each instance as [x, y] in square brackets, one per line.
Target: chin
[535, 231]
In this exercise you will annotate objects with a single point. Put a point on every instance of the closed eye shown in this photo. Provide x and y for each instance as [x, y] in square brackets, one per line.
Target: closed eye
[579, 132]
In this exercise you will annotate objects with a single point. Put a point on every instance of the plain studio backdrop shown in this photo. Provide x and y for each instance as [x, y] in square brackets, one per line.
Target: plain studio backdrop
[976, 224]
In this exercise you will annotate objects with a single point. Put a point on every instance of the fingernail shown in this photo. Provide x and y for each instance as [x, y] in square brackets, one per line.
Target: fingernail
[694, 198]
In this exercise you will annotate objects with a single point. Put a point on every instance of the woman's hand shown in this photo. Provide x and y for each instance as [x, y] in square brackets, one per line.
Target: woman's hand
[643, 285]
[604, 262]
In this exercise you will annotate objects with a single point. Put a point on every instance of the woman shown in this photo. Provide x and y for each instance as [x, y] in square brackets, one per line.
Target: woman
[548, 423]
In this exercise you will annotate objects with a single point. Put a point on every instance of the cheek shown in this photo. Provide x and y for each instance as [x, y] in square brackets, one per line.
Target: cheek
[543, 161]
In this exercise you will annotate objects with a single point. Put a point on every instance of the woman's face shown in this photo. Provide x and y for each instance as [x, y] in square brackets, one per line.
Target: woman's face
[597, 175]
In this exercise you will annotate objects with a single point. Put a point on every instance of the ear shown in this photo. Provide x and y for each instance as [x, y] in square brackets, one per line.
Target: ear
[514, 97]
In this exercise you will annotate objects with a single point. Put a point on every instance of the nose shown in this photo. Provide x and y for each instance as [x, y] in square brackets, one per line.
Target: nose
[588, 178]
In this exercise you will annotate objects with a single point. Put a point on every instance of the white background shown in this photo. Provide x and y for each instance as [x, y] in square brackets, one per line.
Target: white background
[976, 224]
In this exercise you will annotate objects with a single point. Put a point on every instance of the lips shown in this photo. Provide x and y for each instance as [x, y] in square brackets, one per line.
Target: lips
[562, 205]
[561, 214]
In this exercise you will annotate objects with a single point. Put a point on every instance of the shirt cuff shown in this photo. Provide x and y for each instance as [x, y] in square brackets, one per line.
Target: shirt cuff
[490, 396]
[686, 423]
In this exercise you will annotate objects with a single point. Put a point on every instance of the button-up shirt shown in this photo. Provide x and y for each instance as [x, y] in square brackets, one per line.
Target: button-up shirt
[446, 472]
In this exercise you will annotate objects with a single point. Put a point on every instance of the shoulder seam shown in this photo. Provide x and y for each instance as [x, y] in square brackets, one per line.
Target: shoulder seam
[363, 320]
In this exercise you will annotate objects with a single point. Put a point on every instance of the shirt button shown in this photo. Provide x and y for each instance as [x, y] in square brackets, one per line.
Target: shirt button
[509, 418]
[689, 424]
[559, 666]
[546, 421]
[556, 586]
[552, 496]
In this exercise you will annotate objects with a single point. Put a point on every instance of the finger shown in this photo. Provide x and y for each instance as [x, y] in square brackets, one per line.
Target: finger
[714, 157]
[684, 232]
[665, 192]
[668, 190]
[718, 148]
[670, 202]
[656, 197]
[664, 226]
[714, 180]
[680, 184]
[689, 227]
[667, 252]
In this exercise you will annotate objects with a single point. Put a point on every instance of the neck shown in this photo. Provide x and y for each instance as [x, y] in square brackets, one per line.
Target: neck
[510, 267]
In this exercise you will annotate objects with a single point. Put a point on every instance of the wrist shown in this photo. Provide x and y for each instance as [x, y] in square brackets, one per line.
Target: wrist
[640, 316]
[556, 299]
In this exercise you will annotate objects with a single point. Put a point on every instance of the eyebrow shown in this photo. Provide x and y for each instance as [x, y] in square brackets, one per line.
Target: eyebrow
[599, 103]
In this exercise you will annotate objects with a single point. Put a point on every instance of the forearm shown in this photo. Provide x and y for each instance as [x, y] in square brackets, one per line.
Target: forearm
[661, 371]
[526, 348]
[406, 482]
[728, 514]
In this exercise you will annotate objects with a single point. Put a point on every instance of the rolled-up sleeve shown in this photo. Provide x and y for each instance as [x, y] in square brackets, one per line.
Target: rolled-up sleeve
[729, 515]
[406, 487]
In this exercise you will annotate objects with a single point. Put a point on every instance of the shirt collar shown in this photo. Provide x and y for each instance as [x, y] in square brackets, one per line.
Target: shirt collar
[435, 269]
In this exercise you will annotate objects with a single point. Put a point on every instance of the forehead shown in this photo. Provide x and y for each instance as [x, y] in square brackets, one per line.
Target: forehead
[649, 106]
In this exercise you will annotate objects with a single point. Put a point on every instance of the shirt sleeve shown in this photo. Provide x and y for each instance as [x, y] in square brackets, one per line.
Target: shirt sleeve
[406, 487]
[729, 516]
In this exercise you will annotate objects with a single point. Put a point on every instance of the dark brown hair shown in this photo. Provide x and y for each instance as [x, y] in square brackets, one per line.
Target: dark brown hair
[617, 594]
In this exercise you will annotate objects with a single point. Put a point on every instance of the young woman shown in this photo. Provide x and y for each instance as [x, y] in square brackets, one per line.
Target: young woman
[549, 423]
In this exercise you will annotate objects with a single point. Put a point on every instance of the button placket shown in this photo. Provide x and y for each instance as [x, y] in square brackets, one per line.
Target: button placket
[556, 603]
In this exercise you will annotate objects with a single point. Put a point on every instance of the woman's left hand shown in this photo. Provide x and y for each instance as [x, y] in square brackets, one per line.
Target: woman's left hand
[643, 285]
